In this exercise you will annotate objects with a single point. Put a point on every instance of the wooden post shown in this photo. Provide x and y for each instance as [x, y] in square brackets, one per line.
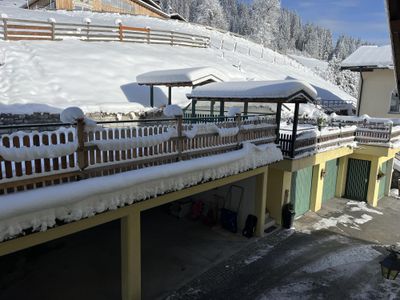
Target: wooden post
[53, 31]
[121, 32]
[294, 129]
[131, 256]
[180, 136]
[212, 104]
[82, 155]
[249, 53]
[169, 95]
[194, 108]
[246, 108]
[262, 52]
[278, 121]
[222, 109]
[148, 36]
[88, 29]
[152, 95]
[5, 29]
[222, 44]
[234, 47]
[172, 38]
[238, 119]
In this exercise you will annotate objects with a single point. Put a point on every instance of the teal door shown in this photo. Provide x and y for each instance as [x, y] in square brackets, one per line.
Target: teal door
[382, 181]
[331, 170]
[301, 190]
[357, 179]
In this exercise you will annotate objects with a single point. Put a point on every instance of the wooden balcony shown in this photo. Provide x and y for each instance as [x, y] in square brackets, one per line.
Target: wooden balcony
[115, 147]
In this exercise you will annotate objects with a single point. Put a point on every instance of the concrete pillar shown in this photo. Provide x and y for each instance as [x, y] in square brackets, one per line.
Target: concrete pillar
[131, 256]
[373, 185]
[341, 177]
[261, 201]
[278, 192]
[389, 173]
[317, 188]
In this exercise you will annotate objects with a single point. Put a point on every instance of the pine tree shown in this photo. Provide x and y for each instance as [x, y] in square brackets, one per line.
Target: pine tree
[210, 12]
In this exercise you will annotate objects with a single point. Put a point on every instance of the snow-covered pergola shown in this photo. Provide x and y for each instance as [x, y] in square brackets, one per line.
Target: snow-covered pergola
[187, 77]
[276, 92]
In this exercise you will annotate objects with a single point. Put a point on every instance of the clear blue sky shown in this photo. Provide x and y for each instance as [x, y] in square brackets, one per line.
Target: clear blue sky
[365, 19]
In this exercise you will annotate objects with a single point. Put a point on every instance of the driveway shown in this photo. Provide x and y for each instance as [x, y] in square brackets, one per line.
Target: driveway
[332, 254]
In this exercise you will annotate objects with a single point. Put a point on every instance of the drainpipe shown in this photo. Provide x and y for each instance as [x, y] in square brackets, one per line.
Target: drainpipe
[361, 93]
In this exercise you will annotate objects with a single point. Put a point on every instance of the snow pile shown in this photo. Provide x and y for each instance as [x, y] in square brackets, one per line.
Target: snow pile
[344, 220]
[362, 206]
[257, 126]
[233, 111]
[210, 128]
[71, 115]
[134, 142]
[39, 209]
[394, 193]
[227, 132]
[189, 76]
[173, 111]
[273, 89]
[37, 152]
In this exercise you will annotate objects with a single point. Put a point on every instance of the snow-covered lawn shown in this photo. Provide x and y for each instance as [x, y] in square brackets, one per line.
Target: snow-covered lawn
[101, 76]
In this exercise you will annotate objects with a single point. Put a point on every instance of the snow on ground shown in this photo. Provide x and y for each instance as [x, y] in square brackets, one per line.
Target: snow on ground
[258, 255]
[394, 193]
[362, 206]
[101, 76]
[312, 63]
[347, 220]
[361, 253]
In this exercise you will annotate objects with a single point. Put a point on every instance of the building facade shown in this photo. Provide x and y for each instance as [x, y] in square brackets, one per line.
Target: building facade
[377, 82]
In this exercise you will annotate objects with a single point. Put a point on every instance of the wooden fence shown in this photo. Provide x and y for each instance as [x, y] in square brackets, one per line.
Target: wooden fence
[19, 29]
[88, 160]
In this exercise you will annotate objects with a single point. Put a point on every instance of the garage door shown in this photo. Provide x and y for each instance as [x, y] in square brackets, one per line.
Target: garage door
[301, 190]
[357, 179]
[331, 169]
[382, 181]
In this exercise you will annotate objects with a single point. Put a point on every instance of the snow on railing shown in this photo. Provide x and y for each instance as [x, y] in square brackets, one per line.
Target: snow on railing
[31, 160]
[20, 29]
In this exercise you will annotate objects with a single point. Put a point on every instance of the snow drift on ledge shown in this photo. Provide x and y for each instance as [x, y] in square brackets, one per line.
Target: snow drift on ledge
[101, 76]
[39, 209]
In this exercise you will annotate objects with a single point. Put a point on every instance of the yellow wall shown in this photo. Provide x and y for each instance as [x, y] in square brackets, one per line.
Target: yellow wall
[278, 192]
[377, 89]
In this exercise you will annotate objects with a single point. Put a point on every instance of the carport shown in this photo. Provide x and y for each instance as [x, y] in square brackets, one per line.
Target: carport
[187, 77]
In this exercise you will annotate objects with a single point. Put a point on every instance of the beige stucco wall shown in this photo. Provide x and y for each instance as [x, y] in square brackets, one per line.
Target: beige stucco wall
[376, 94]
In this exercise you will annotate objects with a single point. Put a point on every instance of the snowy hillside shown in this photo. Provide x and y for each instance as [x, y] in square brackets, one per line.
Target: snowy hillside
[101, 76]
[312, 63]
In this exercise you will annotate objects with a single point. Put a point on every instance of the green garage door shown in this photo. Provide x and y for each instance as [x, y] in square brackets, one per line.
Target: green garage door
[357, 179]
[301, 190]
[382, 181]
[331, 169]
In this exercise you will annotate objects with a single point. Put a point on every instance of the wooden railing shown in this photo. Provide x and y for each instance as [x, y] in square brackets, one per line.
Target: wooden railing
[19, 29]
[90, 159]
[309, 142]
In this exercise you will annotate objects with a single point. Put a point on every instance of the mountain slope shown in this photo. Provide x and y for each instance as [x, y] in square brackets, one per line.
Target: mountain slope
[101, 76]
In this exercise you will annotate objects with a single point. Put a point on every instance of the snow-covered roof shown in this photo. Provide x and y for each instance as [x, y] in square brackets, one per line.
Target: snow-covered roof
[181, 77]
[370, 57]
[256, 91]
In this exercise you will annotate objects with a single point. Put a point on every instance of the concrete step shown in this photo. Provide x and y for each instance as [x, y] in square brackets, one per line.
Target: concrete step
[269, 222]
